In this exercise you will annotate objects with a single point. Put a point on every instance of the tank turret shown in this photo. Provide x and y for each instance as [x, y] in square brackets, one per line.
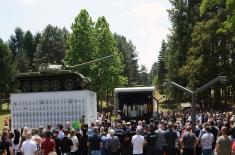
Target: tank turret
[54, 77]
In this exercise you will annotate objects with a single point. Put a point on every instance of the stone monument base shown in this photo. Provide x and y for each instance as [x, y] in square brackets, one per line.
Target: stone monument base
[52, 108]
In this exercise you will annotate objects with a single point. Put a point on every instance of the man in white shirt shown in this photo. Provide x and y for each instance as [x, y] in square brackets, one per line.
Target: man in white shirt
[138, 143]
[29, 147]
[206, 141]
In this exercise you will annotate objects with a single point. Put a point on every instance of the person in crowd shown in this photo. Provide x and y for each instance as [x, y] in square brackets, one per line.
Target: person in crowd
[16, 140]
[6, 143]
[40, 132]
[127, 135]
[73, 137]
[49, 128]
[66, 143]
[95, 143]
[84, 142]
[57, 142]
[160, 140]
[215, 131]
[24, 132]
[113, 144]
[201, 133]
[105, 139]
[61, 131]
[90, 131]
[189, 141]
[120, 133]
[170, 139]
[151, 139]
[11, 136]
[48, 144]
[223, 143]
[38, 141]
[233, 149]
[177, 142]
[127, 142]
[138, 143]
[29, 147]
[207, 140]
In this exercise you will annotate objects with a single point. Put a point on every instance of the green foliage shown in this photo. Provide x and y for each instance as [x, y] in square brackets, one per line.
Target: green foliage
[82, 42]
[52, 43]
[143, 76]
[28, 46]
[183, 16]
[6, 67]
[89, 40]
[209, 44]
[153, 74]
[23, 48]
[128, 50]
[22, 61]
[16, 41]
[161, 70]
[110, 71]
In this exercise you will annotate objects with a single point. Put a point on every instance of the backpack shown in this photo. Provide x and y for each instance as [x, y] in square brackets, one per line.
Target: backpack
[113, 144]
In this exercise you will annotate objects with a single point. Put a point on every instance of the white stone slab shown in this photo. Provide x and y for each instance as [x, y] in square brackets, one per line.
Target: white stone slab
[43, 108]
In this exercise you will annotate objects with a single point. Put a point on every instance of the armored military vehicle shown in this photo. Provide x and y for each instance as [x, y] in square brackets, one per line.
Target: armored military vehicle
[52, 77]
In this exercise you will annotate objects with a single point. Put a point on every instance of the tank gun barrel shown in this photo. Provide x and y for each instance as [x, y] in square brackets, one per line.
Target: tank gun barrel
[89, 62]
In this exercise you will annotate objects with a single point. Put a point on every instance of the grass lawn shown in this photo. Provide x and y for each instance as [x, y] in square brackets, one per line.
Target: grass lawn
[4, 113]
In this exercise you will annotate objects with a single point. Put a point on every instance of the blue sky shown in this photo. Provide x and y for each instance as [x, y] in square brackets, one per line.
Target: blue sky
[145, 22]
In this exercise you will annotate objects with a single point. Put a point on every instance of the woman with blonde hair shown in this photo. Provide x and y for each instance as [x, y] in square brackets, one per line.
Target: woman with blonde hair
[24, 132]
[74, 139]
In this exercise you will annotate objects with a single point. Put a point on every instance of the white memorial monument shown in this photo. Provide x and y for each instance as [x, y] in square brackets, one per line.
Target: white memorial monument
[43, 108]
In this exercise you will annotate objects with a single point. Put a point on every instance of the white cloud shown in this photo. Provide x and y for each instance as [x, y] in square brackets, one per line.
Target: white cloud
[152, 27]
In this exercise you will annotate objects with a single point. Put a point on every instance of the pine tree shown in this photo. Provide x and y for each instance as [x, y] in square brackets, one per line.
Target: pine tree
[28, 46]
[16, 41]
[128, 50]
[153, 74]
[161, 71]
[52, 44]
[5, 69]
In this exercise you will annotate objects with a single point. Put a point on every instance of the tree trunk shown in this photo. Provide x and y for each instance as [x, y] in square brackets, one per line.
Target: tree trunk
[98, 99]
[107, 97]
[226, 97]
[1, 102]
[101, 104]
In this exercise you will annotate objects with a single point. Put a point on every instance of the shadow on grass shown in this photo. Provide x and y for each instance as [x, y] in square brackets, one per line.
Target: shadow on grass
[5, 112]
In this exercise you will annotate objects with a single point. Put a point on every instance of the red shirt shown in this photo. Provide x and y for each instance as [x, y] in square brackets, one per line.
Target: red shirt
[48, 145]
[233, 147]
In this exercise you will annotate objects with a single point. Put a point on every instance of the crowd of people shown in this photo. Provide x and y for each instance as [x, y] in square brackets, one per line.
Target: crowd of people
[167, 133]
